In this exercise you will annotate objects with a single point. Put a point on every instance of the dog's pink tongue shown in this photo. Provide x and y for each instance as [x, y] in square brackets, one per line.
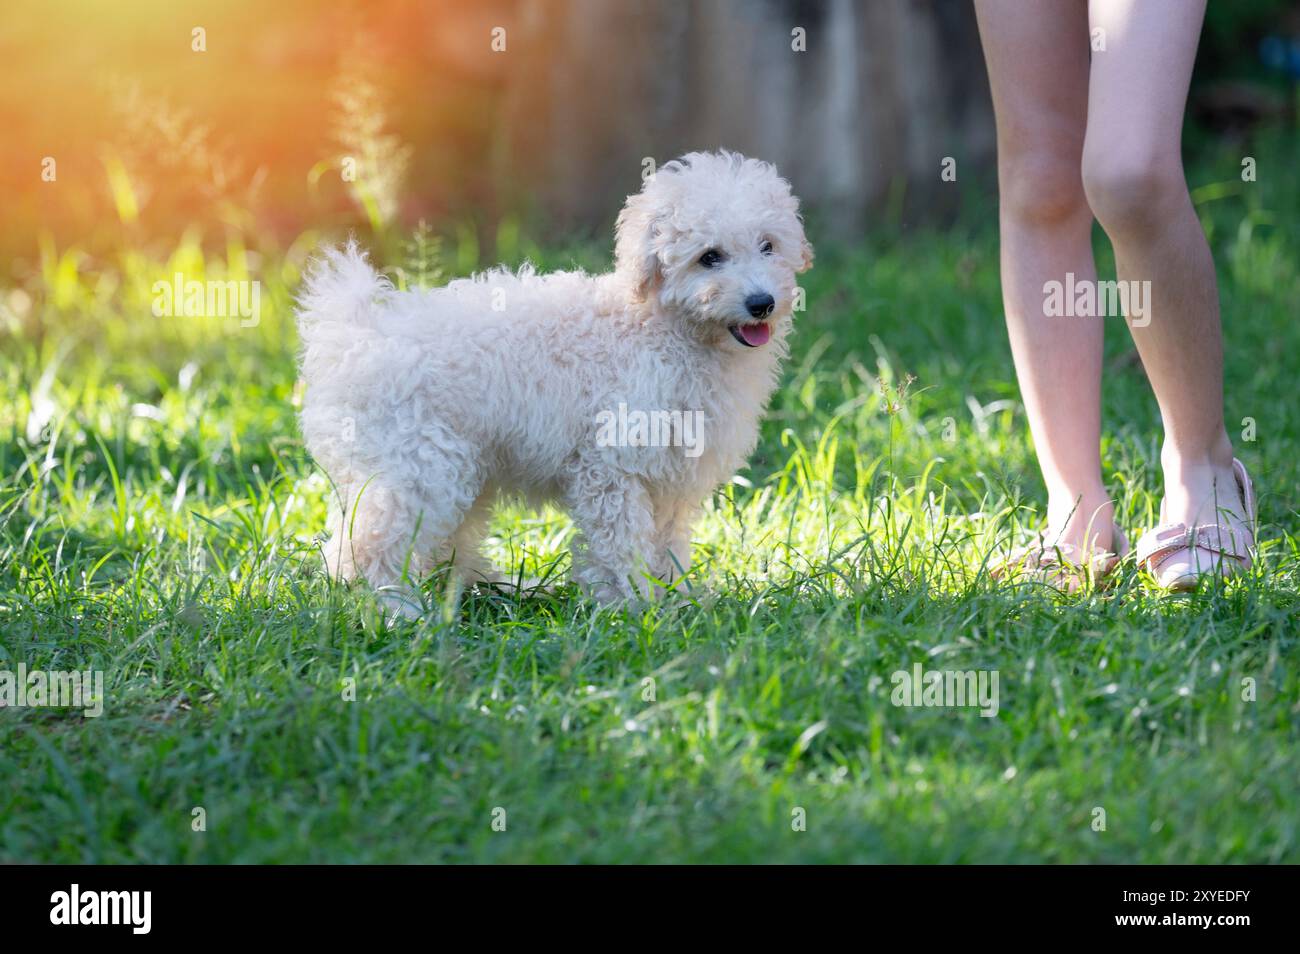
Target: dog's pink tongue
[757, 334]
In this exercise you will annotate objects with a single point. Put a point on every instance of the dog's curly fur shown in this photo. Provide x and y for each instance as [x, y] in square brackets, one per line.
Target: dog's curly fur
[423, 406]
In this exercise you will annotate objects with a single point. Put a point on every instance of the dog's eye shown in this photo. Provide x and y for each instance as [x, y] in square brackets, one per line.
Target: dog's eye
[766, 247]
[712, 258]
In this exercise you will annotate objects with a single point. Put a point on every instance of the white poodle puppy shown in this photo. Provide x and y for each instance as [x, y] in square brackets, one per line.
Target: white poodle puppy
[625, 398]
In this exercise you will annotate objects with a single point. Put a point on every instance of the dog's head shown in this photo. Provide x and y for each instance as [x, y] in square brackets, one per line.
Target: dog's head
[717, 239]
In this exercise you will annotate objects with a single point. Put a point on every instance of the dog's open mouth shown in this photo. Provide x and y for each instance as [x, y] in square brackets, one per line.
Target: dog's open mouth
[753, 335]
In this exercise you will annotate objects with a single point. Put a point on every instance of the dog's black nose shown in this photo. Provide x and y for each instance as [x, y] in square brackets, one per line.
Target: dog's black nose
[760, 306]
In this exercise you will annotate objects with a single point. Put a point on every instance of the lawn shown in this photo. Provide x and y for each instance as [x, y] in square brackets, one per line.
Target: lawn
[159, 521]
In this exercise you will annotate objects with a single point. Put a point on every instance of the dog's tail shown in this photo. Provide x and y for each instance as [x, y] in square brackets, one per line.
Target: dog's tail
[339, 291]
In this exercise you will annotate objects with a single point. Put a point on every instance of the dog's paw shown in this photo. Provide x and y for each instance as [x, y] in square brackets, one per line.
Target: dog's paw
[400, 603]
[527, 587]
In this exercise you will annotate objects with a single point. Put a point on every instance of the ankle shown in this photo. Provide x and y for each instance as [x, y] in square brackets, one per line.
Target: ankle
[1200, 488]
[1195, 465]
[1065, 500]
[1088, 513]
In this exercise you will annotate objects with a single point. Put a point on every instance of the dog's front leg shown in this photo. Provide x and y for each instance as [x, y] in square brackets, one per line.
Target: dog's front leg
[616, 532]
[674, 520]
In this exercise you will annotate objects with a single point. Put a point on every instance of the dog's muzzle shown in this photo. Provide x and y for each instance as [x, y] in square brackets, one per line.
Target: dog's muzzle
[757, 333]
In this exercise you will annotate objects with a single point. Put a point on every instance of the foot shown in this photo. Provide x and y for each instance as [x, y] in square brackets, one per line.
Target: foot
[1081, 542]
[1085, 523]
[1206, 525]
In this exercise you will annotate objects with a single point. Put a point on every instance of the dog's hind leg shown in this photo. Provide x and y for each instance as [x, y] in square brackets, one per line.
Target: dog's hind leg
[392, 536]
[674, 520]
[612, 553]
[469, 560]
[465, 547]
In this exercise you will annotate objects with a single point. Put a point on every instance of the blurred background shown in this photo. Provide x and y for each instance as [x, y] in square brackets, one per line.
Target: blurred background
[483, 117]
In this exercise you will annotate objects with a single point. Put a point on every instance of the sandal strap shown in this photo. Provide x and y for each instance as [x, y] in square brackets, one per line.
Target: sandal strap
[1160, 542]
[1247, 488]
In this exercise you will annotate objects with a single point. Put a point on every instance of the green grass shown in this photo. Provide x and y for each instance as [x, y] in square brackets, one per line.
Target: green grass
[159, 521]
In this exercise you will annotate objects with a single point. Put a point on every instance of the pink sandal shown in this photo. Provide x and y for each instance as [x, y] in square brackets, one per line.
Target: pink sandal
[1059, 565]
[1171, 552]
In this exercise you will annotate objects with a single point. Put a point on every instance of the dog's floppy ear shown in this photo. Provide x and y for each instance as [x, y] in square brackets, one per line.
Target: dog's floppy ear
[635, 257]
[805, 254]
[792, 228]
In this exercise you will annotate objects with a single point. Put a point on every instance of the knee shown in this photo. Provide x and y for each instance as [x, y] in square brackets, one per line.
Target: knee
[1131, 191]
[1040, 187]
